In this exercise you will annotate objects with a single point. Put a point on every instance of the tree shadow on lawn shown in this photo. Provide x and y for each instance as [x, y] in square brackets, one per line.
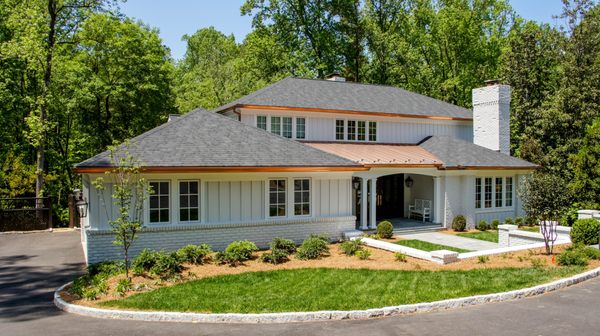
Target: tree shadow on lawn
[27, 291]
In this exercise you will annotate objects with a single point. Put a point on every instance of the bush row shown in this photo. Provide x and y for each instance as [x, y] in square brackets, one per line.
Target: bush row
[459, 223]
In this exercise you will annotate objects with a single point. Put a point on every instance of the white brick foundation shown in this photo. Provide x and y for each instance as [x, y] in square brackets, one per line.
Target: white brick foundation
[218, 236]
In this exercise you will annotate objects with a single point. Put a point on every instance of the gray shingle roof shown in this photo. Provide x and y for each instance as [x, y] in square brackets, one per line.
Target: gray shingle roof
[324, 94]
[459, 153]
[206, 139]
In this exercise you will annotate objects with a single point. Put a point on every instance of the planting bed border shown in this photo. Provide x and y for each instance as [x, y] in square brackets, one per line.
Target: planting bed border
[320, 315]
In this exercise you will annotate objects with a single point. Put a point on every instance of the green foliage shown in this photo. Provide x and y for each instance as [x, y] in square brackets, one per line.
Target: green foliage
[482, 259]
[237, 252]
[459, 223]
[508, 220]
[94, 283]
[538, 262]
[350, 247]
[195, 254]
[585, 231]
[400, 257]
[482, 225]
[144, 261]
[283, 244]
[572, 257]
[519, 221]
[531, 221]
[313, 247]
[108, 268]
[385, 229]
[166, 264]
[495, 223]
[123, 286]
[363, 254]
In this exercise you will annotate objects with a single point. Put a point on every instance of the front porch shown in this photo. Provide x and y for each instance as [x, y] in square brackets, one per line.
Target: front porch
[393, 195]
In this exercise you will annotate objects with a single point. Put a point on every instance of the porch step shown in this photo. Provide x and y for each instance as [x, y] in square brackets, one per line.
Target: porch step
[419, 229]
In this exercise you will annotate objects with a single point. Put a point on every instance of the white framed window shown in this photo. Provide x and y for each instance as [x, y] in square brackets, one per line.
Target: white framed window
[499, 194]
[509, 192]
[276, 125]
[339, 129]
[277, 197]
[372, 131]
[286, 127]
[478, 193]
[351, 130]
[493, 192]
[159, 202]
[488, 193]
[302, 197]
[261, 122]
[300, 128]
[362, 131]
[189, 201]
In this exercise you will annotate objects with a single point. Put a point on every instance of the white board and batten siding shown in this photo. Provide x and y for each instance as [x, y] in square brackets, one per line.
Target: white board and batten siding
[321, 126]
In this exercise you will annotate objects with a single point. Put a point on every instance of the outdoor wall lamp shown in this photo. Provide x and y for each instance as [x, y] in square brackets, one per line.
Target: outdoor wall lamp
[409, 182]
[80, 203]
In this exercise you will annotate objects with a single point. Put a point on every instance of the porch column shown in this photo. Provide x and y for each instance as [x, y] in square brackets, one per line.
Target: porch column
[373, 205]
[363, 203]
[438, 200]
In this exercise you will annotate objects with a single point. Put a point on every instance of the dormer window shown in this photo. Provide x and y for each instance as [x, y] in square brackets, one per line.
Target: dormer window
[355, 130]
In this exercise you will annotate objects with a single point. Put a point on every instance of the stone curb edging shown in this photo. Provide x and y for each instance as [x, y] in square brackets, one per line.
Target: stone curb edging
[320, 315]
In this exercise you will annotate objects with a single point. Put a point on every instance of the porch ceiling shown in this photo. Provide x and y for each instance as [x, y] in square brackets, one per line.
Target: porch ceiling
[380, 155]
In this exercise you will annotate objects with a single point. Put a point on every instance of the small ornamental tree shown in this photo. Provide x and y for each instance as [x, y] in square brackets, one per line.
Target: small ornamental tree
[545, 197]
[128, 196]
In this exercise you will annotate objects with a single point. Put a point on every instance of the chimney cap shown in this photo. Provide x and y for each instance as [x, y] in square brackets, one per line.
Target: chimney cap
[490, 82]
[335, 77]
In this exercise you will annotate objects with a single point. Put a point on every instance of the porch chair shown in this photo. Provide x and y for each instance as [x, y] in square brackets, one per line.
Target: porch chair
[422, 208]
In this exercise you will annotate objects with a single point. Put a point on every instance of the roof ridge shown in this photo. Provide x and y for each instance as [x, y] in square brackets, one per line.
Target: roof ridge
[250, 95]
[378, 85]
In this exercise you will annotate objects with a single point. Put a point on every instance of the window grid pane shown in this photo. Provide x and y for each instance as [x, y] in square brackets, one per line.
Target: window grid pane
[488, 192]
[276, 125]
[351, 130]
[301, 197]
[261, 122]
[498, 192]
[277, 198]
[287, 127]
[339, 129]
[362, 130]
[189, 201]
[159, 202]
[300, 128]
[372, 131]
[509, 191]
[478, 193]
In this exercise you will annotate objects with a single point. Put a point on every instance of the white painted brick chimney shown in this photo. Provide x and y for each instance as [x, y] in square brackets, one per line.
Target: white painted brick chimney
[491, 117]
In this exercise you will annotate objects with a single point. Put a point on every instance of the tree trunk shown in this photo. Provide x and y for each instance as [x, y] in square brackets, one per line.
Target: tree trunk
[41, 152]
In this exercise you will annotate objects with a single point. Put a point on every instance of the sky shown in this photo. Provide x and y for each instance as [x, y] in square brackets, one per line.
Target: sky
[175, 18]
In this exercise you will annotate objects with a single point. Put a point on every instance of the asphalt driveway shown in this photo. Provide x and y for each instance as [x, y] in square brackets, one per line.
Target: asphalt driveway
[33, 265]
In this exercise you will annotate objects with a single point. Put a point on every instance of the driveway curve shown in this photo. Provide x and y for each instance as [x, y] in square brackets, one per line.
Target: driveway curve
[33, 265]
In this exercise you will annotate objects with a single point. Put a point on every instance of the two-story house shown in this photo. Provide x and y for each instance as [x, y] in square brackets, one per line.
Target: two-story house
[306, 156]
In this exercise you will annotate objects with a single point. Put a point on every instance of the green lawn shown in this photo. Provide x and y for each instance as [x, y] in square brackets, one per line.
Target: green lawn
[535, 229]
[491, 235]
[333, 289]
[427, 246]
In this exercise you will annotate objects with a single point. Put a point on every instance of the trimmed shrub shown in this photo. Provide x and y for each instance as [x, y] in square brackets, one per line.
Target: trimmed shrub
[530, 221]
[363, 254]
[585, 231]
[167, 264]
[590, 252]
[144, 261]
[276, 256]
[313, 247]
[350, 247]
[572, 257]
[194, 254]
[283, 244]
[385, 229]
[482, 225]
[508, 220]
[399, 256]
[519, 221]
[237, 252]
[459, 223]
[494, 225]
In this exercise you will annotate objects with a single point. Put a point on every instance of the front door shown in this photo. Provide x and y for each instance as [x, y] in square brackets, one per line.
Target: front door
[390, 196]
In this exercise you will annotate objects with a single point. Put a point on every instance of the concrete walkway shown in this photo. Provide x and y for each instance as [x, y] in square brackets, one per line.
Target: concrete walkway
[452, 240]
